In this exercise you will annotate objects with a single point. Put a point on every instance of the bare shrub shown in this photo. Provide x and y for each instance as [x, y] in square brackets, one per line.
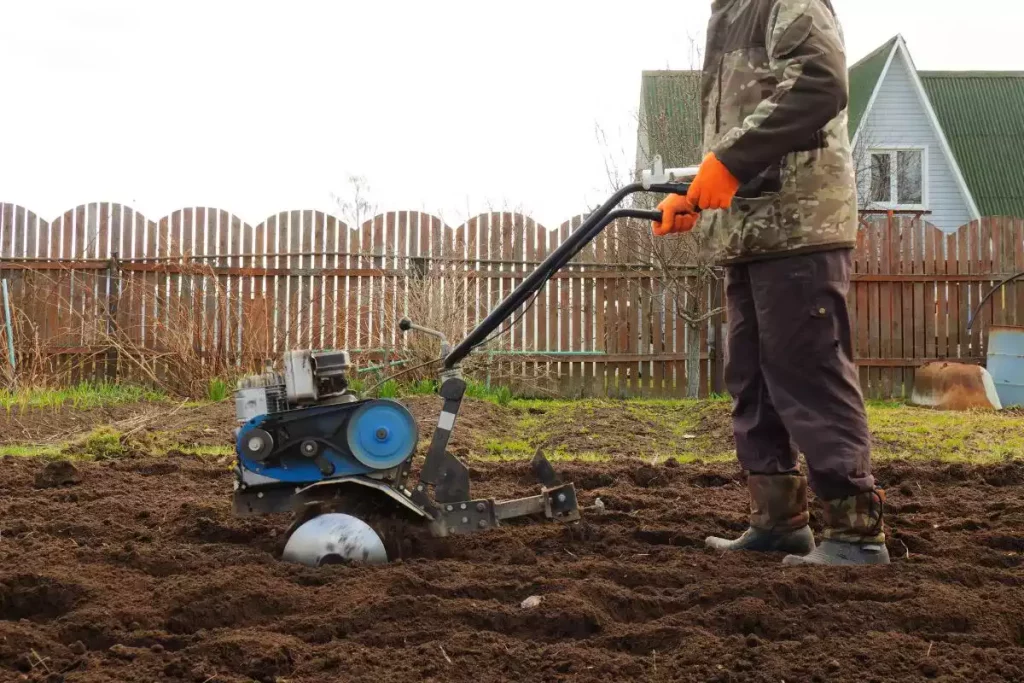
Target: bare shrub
[439, 294]
[177, 344]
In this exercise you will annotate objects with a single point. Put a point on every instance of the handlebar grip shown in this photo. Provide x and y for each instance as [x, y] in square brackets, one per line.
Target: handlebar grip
[648, 215]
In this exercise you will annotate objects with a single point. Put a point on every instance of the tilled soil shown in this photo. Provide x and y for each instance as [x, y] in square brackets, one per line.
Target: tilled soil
[135, 570]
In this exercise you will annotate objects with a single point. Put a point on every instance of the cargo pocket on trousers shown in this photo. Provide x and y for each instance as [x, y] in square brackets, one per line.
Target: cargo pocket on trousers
[823, 332]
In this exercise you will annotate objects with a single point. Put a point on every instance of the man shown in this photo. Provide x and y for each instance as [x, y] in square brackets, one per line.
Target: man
[776, 195]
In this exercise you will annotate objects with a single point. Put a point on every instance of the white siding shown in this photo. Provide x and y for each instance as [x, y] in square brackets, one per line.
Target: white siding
[898, 117]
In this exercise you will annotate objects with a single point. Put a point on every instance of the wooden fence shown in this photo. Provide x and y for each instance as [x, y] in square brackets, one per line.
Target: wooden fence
[238, 295]
[916, 287]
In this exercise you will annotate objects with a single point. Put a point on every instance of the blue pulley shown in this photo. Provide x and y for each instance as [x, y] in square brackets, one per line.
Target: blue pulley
[382, 434]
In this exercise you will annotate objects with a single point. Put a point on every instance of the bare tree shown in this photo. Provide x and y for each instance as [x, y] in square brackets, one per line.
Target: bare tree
[888, 171]
[687, 282]
[356, 208]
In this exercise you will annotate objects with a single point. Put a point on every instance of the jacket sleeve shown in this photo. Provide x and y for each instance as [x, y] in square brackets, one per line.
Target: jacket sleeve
[806, 52]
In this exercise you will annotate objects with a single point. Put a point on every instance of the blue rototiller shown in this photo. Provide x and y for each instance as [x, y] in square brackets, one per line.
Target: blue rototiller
[341, 464]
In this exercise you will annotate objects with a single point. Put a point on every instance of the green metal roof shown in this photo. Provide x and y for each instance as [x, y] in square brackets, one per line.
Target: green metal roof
[980, 112]
[982, 115]
[863, 77]
[671, 101]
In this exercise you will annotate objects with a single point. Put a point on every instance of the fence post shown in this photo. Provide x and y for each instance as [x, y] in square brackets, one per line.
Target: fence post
[715, 338]
[10, 331]
[113, 285]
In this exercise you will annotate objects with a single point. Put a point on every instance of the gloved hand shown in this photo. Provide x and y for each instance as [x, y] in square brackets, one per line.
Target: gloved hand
[714, 187]
[677, 215]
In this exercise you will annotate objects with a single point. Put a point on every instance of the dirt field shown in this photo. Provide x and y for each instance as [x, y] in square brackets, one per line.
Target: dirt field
[133, 569]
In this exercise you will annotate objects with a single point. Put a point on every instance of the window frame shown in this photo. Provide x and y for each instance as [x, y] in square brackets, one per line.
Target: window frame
[893, 152]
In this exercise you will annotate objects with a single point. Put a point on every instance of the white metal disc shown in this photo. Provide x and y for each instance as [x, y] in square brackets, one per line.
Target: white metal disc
[328, 538]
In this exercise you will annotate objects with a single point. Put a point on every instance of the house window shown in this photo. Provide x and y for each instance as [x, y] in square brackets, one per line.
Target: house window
[897, 178]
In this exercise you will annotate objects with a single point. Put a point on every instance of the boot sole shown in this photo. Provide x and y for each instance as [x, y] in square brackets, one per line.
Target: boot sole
[822, 559]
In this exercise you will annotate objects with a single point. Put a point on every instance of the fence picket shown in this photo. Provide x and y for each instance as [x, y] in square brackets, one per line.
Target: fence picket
[860, 307]
[873, 308]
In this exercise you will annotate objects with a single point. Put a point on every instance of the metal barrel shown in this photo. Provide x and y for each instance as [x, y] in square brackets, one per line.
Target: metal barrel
[1005, 363]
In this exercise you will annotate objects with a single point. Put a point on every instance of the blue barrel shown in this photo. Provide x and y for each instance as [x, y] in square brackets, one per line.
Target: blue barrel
[1006, 364]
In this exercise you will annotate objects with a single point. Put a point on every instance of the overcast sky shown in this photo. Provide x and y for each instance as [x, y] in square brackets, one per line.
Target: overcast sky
[444, 106]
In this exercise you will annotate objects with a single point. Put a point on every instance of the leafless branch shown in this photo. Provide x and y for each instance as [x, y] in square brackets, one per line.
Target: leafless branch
[662, 131]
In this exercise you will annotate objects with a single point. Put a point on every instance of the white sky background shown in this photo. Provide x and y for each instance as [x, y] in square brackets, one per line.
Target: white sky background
[450, 107]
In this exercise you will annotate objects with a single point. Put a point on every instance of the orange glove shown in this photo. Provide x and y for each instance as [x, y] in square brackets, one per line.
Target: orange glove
[714, 187]
[677, 215]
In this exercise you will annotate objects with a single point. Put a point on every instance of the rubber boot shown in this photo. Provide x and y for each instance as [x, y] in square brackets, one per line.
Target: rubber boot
[853, 533]
[778, 517]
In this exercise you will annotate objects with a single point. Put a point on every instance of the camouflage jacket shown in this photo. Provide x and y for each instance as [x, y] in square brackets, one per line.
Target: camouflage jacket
[774, 110]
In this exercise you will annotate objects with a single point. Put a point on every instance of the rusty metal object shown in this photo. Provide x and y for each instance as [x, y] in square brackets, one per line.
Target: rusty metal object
[948, 385]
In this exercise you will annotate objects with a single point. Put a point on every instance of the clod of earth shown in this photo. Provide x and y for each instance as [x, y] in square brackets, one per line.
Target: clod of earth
[57, 473]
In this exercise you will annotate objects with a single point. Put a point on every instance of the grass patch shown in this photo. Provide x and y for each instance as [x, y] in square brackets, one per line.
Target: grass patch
[29, 451]
[598, 430]
[395, 389]
[497, 394]
[389, 389]
[218, 390]
[507, 449]
[904, 432]
[81, 396]
[690, 430]
[106, 443]
[102, 443]
[208, 451]
[423, 387]
[589, 430]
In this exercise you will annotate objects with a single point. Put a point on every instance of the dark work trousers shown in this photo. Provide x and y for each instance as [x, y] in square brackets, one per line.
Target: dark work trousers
[789, 368]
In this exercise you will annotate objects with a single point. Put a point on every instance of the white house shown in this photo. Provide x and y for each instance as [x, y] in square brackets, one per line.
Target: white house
[946, 145]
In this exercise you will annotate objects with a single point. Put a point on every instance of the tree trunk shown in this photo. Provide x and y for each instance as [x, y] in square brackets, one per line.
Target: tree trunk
[692, 361]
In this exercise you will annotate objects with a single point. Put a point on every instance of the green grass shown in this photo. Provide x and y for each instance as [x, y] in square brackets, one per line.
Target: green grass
[601, 429]
[653, 429]
[81, 396]
[29, 451]
[104, 443]
[903, 432]
[475, 389]
[423, 387]
[208, 451]
[689, 430]
[500, 450]
[395, 389]
[217, 391]
[99, 448]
